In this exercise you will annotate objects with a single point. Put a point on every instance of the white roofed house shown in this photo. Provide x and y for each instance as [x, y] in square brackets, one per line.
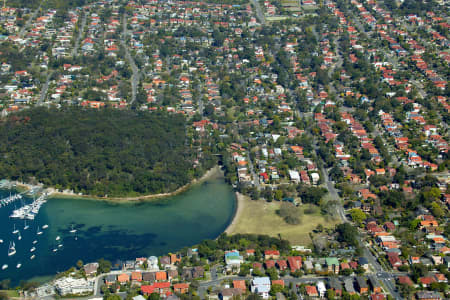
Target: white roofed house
[261, 286]
[295, 177]
[321, 289]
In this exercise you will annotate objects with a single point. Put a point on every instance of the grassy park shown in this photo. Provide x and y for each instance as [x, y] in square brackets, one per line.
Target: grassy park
[261, 217]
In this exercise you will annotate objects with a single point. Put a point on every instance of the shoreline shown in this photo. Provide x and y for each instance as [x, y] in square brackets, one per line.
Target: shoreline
[240, 198]
[208, 174]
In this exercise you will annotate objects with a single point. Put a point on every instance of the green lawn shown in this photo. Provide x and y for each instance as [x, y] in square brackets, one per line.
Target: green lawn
[260, 217]
[11, 293]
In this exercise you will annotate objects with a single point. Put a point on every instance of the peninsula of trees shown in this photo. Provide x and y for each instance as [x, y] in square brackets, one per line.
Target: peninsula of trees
[105, 152]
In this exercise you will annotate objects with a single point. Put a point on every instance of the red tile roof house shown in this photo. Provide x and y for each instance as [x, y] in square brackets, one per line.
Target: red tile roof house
[257, 266]
[282, 264]
[136, 276]
[271, 254]
[311, 291]
[295, 263]
[181, 288]
[377, 297]
[162, 287]
[394, 260]
[147, 290]
[239, 284]
[278, 282]
[405, 280]
[427, 281]
[123, 278]
[270, 264]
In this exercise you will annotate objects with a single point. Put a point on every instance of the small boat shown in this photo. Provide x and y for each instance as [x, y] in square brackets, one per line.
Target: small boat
[60, 245]
[58, 238]
[32, 256]
[38, 231]
[12, 249]
[26, 226]
[54, 250]
[73, 230]
[1, 241]
[18, 265]
[32, 249]
[19, 237]
[15, 231]
[35, 242]
[45, 226]
[5, 266]
[76, 238]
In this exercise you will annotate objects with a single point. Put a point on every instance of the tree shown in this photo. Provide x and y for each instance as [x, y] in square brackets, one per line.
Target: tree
[79, 264]
[331, 294]
[154, 296]
[113, 297]
[437, 210]
[347, 233]
[358, 216]
[289, 213]
[278, 195]
[253, 297]
[104, 266]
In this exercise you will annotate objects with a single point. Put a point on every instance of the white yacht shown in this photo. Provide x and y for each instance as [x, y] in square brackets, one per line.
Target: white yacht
[32, 256]
[12, 249]
[73, 230]
[38, 231]
[33, 249]
[34, 242]
[18, 265]
[15, 230]
[45, 226]
[58, 238]
[26, 226]
[5, 266]
[56, 249]
[19, 237]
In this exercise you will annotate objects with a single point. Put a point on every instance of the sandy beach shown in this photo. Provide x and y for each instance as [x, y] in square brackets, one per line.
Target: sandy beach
[209, 174]
[238, 213]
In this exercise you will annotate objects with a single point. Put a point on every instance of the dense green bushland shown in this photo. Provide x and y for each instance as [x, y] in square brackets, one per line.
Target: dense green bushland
[105, 152]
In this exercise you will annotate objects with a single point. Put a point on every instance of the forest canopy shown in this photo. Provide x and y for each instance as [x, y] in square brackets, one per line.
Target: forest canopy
[104, 152]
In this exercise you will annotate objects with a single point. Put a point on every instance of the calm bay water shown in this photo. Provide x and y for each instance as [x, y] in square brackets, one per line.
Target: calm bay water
[111, 230]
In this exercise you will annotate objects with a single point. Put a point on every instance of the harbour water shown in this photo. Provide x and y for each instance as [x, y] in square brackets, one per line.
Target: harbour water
[111, 230]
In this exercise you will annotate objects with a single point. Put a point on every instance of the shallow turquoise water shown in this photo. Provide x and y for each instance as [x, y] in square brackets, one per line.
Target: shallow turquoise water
[113, 231]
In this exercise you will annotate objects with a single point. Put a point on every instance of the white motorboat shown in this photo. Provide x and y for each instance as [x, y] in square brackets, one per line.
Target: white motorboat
[33, 249]
[38, 231]
[5, 266]
[45, 226]
[32, 256]
[60, 245]
[34, 242]
[73, 230]
[18, 265]
[1, 241]
[54, 250]
[15, 231]
[58, 238]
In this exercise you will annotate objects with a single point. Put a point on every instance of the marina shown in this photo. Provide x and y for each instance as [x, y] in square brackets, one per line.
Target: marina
[30, 211]
[89, 229]
[10, 199]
